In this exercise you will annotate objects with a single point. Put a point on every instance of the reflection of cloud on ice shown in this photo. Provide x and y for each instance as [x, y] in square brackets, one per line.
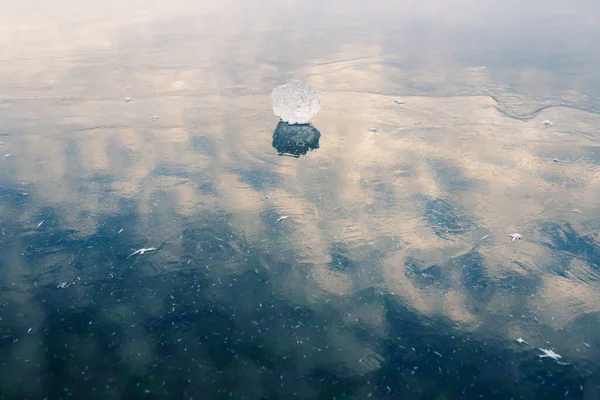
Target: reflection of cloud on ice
[370, 185]
[410, 202]
[560, 300]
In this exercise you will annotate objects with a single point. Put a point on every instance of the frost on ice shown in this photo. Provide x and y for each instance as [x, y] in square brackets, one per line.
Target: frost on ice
[295, 102]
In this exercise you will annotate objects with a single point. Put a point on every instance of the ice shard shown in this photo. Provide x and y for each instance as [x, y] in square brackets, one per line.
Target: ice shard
[295, 102]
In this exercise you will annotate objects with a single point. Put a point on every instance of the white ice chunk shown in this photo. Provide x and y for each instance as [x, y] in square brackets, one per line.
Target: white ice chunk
[295, 102]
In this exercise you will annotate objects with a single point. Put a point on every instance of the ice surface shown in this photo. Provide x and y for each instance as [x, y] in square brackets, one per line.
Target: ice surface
[295, 102]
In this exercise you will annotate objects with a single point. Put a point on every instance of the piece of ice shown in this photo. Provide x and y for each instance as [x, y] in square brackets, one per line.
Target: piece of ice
[549, 354]
[127, 99]
[295, 102]
[515, 236]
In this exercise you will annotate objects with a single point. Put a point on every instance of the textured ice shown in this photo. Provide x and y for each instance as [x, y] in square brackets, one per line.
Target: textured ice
[295, 102]
[295, 140]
